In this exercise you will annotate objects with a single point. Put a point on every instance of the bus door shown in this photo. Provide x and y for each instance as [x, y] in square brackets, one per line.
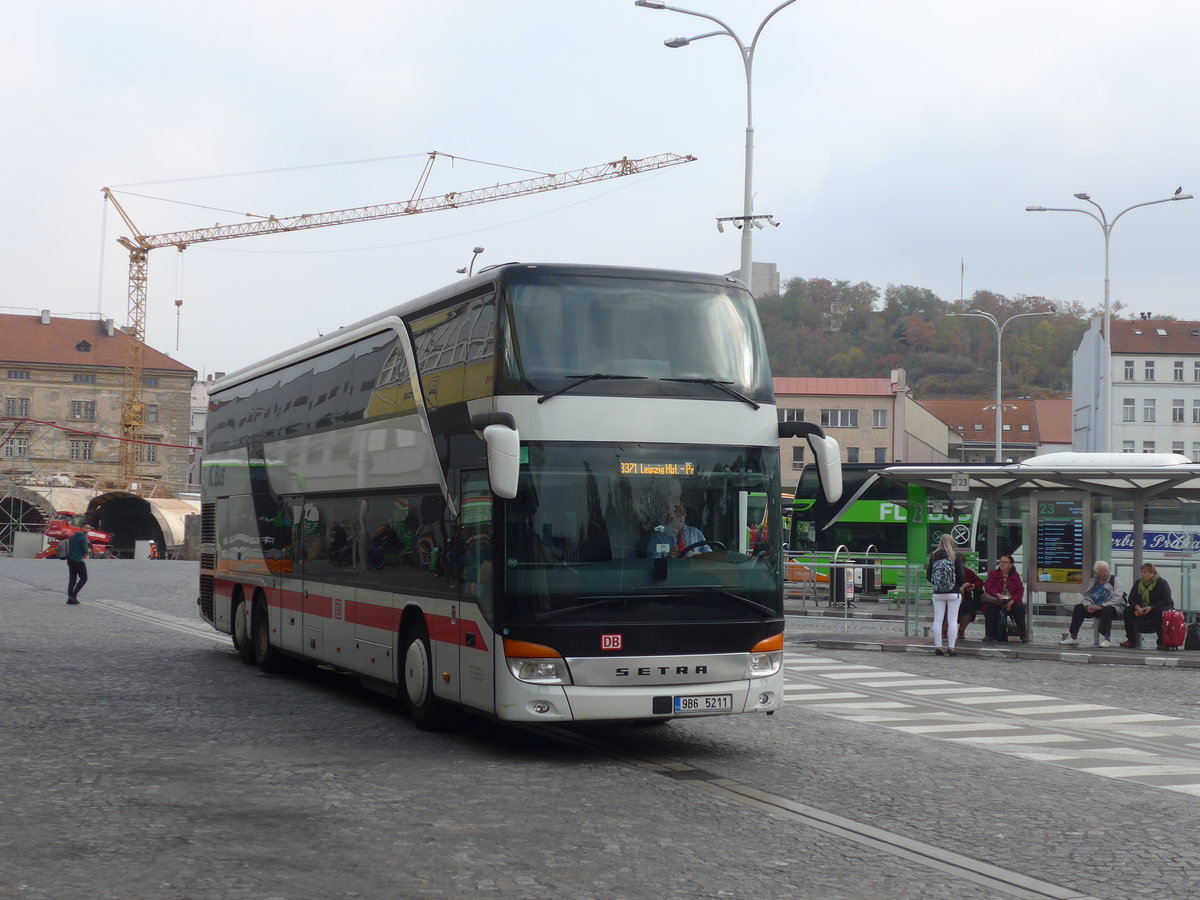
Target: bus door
[471, 552]
[291, 582]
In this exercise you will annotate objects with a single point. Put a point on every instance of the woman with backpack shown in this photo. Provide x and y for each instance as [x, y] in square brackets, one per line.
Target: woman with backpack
[944, 570]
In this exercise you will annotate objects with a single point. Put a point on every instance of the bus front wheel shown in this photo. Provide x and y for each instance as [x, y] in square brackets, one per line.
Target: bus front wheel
[426, 710]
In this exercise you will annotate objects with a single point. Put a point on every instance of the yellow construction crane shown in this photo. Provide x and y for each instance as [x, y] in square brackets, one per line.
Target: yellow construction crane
[140, 245]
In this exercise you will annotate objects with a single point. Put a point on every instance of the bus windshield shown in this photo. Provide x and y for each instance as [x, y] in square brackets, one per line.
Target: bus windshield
[638, 533]
[635, 337]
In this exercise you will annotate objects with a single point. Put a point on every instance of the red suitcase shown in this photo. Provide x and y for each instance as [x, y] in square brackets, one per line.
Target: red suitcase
[1174, 629]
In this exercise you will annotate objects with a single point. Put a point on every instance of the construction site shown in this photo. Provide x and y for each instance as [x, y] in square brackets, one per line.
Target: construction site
[102, 433]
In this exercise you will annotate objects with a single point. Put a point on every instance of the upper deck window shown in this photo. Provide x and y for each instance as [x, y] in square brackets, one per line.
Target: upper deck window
[561, 327]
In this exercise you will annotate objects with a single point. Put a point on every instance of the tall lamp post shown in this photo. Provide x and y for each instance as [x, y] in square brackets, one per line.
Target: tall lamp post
[999, 326]
[1104, 406]
[747, 220]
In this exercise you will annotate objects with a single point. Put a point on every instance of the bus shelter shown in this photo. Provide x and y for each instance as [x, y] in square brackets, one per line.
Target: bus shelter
[1066, 529]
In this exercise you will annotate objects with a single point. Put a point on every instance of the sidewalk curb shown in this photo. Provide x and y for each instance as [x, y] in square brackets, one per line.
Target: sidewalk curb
[1170, 659]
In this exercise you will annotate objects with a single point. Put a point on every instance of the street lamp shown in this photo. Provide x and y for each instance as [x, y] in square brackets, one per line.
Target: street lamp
[747, 219]
[470, 269]
[999, 326]
[1104, 405]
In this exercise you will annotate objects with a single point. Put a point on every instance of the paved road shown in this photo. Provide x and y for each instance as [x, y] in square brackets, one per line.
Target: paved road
[143, 760]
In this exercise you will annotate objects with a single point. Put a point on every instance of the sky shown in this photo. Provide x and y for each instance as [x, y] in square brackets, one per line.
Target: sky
[895, 143]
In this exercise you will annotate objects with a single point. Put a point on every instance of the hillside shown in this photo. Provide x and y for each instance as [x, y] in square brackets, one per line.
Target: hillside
[819, 327]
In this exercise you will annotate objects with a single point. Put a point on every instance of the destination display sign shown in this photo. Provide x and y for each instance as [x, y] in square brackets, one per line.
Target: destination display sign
[657, 468]
[1060, 541]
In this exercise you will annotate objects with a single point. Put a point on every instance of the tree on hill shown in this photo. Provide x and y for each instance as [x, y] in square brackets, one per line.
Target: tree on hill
[819, 327]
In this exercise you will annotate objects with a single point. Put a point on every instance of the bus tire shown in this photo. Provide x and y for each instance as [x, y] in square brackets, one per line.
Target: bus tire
[416, 680]
[243, 633]
[269, 658]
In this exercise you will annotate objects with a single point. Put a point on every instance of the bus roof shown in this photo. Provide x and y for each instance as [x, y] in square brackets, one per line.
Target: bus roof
[512, 271]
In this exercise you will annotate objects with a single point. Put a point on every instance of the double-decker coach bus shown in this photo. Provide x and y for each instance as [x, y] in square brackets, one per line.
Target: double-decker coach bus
[527, 495]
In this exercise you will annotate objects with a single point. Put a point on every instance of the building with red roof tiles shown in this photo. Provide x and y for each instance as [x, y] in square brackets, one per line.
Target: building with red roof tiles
[1154, 388]
[1029, 427]
[63, 387]
[873, 419]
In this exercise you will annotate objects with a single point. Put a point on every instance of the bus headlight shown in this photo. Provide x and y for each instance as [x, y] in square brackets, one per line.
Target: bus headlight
[763, 664]
[535, 663]
[766, 657]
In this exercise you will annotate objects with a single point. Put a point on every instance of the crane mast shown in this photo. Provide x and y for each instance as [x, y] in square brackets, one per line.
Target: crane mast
[133, 408]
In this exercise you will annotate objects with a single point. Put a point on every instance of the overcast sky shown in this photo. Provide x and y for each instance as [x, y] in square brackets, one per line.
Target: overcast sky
[894, 142]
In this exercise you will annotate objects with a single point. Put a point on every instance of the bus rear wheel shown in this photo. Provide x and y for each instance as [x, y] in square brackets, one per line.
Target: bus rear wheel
[243, 634]
[269, 659]
[416, 689]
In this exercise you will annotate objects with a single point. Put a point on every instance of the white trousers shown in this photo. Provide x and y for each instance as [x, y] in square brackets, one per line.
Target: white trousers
[945, 609]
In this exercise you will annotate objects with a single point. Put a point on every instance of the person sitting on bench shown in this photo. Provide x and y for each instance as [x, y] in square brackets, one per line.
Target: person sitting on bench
[1005, 594]
[1103, 600]
[1151, 598]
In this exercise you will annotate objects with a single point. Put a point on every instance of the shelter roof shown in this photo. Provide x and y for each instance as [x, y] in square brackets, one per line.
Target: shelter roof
[1110, 474]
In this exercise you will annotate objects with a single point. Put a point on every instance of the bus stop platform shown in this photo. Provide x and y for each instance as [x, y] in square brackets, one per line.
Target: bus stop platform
[835, 631]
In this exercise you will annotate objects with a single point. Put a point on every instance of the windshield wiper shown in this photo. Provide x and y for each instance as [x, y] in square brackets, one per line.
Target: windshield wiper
[723, 385]
[595, 600]
[584, 379]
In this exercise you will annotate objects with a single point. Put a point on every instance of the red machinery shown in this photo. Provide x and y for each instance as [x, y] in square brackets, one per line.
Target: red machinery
[66, 525]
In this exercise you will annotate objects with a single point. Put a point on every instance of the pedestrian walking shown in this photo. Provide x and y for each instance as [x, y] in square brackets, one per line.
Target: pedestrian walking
[77, 551]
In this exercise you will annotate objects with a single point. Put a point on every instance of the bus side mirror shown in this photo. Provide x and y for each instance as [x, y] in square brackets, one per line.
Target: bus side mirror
[504, 459]
[826, 454]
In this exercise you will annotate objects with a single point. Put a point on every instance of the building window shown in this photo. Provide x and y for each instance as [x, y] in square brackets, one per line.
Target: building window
[83, 377]
[977, 427]
[83, 409]
[18, 374]
[839, 418]
[1024, 427]
[851, 454]
[1179, 370]
[785, 415]
[1177, 447]
[16, 448]
[1129, 370]
[1149, 370]
[151, 412]
[881, 454]
[1129, 410]
[16, 406]
[80, 450]
[1196, 371]
[1147, 446]
[1147, 410]
[797, 457]
[1176, 410]
[1127, 446]
[146, 452]
[1195, 451]
[879, 418]
[1196, 412]
[1006, 427]
[150, 381]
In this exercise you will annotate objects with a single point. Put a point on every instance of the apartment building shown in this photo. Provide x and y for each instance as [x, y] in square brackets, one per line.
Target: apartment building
[875, 420]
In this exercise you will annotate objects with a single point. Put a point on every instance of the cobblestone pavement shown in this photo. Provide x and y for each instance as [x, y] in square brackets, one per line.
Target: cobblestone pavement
[143, 760]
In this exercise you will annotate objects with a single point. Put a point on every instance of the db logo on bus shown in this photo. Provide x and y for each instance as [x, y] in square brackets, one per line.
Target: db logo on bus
[610, 642]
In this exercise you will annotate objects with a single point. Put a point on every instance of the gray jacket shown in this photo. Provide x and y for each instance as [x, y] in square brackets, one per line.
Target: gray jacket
[1114, 594]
